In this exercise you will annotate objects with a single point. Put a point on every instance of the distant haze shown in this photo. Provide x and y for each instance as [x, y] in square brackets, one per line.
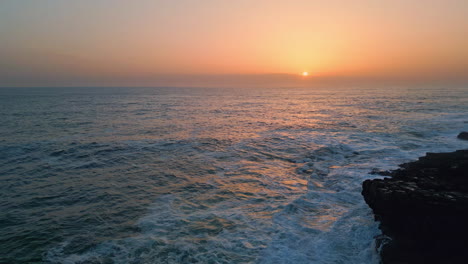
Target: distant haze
[231, 43]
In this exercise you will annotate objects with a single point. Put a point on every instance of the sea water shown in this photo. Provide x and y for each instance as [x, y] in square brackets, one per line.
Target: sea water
[205, 175]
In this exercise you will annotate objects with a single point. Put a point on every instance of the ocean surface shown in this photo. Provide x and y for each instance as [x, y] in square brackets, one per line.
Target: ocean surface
[192, 175]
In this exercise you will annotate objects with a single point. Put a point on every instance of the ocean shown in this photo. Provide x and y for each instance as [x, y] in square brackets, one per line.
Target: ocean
[206, 175]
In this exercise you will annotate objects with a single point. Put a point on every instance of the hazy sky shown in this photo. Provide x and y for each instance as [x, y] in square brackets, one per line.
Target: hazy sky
[177, 42]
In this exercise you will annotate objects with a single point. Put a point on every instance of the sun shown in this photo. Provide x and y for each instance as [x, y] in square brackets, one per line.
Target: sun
[305, 74]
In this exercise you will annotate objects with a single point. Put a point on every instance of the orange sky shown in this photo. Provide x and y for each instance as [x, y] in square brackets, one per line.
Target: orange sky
[111, 42]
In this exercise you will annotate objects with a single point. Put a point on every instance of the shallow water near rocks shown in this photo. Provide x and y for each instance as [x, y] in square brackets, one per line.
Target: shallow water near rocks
[193, 175]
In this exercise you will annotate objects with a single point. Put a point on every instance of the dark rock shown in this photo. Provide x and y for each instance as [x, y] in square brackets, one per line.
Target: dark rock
[423, 210]
[463, 135]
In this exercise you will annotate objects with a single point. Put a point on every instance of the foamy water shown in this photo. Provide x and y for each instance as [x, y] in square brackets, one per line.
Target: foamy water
[172, 175]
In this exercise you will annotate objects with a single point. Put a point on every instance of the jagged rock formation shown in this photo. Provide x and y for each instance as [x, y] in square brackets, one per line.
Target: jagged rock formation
[423, 210]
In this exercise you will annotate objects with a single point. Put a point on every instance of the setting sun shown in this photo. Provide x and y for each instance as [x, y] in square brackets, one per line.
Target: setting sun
[228, 131]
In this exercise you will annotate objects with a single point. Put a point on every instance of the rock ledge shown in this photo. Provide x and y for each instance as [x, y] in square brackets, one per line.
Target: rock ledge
[423, 210]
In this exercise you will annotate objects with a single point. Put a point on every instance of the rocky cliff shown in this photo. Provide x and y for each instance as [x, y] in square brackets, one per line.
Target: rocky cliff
[423, 210]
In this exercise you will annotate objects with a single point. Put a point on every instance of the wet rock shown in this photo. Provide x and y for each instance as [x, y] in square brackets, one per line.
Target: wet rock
[463, 135]
[423, 210]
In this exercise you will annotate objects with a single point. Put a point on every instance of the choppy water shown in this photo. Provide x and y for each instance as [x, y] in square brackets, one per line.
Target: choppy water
[172, 175]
